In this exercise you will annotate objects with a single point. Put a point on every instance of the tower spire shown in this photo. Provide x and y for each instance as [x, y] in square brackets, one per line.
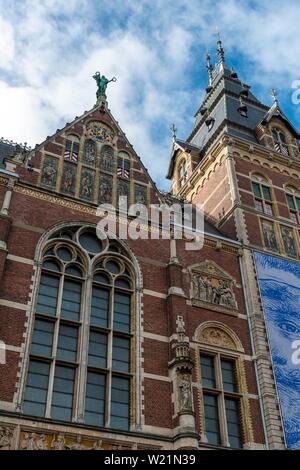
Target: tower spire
[220, 50]
[209, 69]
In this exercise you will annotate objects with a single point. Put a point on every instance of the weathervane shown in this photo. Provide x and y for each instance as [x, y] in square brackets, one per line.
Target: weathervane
[102, 83]
[173, 130]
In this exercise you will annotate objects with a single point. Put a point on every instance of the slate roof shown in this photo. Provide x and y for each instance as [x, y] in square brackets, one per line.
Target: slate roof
[222, 102]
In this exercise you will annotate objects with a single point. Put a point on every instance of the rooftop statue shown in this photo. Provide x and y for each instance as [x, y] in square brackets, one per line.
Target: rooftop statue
[102, 83]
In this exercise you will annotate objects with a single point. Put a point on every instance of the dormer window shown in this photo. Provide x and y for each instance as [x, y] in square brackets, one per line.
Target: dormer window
[280, 143]
[210, 123]
[182, 174]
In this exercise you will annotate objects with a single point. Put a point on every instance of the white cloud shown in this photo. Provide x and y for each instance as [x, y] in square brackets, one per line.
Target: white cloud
[51, 49]
[6, 44]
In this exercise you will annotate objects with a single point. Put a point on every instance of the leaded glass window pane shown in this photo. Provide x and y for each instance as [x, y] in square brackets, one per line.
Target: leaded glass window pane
[62, 397]
[99, 309]
[95, 399]
[120, 403]
[48, 292]
[90, 242]
[67, 343]
[36, 390]
[291, 202]
[71, 298]
[122, 312]
[97, 349]
[42, 338]
[207, 371]
[121, 354]
[267, 193]
[233, 422]
[212, 424]
[256, 190]
[228, 375]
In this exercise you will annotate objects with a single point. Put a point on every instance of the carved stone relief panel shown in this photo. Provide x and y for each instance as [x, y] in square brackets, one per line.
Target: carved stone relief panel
[211, 285]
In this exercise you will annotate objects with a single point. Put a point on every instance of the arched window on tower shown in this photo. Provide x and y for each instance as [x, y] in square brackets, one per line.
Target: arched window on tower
[262, 195]
[79, 365]
[280, 142]
[183, 173]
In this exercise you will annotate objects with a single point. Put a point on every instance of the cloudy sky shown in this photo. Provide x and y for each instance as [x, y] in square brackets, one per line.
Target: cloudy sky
[49, 50]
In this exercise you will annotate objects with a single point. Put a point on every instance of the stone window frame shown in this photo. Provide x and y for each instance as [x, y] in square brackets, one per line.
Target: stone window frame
[228, 347]
[135, 411]
[264, 184]
[294, 193]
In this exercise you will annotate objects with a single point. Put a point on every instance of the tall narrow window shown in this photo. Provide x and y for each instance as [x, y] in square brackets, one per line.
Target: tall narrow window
[73, 318]
[123, 168]
[293, 201]
[71, 149]
[183, 173]
[263, 198]
[280, 143]
[221, 400]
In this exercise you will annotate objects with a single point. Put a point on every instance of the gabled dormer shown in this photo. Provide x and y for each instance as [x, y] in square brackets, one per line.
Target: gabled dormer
[278, 133]
[184, 159]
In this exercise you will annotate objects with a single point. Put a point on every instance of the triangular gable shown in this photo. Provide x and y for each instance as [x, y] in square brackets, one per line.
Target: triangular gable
[61, 168]
[275, 111]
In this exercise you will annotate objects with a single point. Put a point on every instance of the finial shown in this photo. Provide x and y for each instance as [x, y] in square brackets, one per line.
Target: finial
[209, 69]
[220, 49]
[173, 130]
[274, 96]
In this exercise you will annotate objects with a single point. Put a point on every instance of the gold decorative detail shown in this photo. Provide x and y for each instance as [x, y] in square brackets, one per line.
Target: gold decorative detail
[3, 181]
[217, 337]
[99, 131]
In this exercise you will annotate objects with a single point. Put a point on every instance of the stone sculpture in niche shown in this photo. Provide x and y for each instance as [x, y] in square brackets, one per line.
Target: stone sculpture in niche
[185, 394]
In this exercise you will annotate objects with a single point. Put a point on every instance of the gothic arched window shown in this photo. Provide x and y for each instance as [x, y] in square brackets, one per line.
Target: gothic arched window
[79, 365]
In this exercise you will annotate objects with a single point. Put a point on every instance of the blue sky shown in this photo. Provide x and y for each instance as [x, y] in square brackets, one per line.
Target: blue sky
[50, 49]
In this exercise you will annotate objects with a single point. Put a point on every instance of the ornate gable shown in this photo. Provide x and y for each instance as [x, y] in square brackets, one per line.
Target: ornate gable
[91, 160]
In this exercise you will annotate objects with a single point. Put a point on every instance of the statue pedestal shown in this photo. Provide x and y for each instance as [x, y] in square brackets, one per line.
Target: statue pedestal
[101, 100]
